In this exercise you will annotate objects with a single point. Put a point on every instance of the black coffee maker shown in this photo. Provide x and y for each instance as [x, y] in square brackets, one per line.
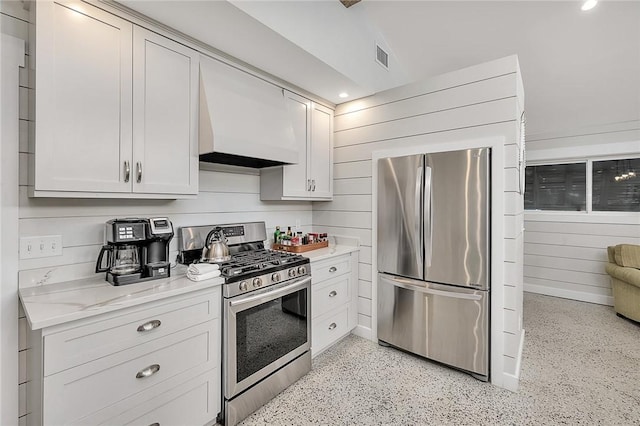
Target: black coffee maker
[136, 250]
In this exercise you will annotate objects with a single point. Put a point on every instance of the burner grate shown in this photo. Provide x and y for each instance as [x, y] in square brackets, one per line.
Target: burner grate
[247, 262]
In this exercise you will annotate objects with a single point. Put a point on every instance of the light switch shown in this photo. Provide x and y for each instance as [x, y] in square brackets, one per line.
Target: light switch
[43, 246]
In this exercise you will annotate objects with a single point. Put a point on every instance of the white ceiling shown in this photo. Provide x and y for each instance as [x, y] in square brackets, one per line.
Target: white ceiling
[579, 68]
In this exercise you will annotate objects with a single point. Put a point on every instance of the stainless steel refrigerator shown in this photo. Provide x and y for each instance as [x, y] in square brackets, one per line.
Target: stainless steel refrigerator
[434, 256]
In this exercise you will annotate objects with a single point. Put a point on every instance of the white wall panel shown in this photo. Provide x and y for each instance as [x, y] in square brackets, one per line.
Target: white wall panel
[354, 203]
[578, 240]
[453, 98]
[364, 289]
[364, 320]
[567, 252]
[364, 271]
[365, 254]
[364, 306]
[362, 152]
[569, 264]
[352, 186]
[356, 169]
[511, 323]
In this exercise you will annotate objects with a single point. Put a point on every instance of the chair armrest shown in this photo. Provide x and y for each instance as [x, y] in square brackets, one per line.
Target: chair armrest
[626, 274]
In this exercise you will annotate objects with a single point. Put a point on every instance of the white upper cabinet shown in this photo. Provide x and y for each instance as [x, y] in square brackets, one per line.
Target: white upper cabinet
[312, 178]
[83, 99]
[321, 152]
[115, 108]
[165, 144]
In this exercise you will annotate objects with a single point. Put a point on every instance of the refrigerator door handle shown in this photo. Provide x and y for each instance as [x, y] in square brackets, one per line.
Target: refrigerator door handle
[423, 288]
[418, 212]
[428, 215]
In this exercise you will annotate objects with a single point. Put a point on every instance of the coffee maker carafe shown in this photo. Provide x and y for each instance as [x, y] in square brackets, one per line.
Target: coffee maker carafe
[136, 250]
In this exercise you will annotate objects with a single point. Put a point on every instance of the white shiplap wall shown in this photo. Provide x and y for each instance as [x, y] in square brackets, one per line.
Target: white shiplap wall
[565, 253]
[14, 21]
[227, 194]
[477, 103]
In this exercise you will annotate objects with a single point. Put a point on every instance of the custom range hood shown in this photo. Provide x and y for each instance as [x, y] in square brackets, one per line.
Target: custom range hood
[244, 120]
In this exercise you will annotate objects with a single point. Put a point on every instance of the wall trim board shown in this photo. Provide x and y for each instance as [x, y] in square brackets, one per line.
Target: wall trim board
[582, 217]
[363, 332]
[12, 58]
[569, 294]
[628, 147]
[586, 131]
[512, 381]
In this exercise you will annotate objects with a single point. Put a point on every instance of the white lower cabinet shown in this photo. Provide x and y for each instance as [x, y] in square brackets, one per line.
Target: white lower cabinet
[156, 363]
[334, 300]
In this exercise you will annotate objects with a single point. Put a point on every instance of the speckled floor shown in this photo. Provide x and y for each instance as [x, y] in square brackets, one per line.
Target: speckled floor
[581, 365]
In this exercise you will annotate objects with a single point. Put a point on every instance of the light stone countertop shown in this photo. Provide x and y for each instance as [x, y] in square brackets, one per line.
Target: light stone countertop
[55, 304]
[328, 252]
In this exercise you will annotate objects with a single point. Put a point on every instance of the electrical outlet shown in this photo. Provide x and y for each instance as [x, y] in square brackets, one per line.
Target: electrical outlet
[44, 246]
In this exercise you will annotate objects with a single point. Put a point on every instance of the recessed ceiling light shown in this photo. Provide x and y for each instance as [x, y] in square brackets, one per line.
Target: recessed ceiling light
[343, 95]
[589, 4]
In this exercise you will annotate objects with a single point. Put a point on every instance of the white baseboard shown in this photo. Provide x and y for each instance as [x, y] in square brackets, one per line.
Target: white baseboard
[569, 294]
[512, 381]
[364, 332]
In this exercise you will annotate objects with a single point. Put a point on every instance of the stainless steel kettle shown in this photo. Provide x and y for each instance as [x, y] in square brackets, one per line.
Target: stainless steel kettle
[215, 247]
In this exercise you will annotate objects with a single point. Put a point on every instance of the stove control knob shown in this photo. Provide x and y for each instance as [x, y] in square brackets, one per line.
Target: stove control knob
[302, 270]
[243, 286]
[275, 277]
[292, 272]
[257, 282]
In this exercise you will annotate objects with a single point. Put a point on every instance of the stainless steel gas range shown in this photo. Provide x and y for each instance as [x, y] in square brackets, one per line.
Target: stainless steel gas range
[266, 330]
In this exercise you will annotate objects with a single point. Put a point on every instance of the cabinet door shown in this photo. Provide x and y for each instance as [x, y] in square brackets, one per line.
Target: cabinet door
[295, 178]
[165, 95]
[321, 152]
[83, 101]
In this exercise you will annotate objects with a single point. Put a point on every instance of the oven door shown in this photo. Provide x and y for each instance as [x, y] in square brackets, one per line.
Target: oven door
[262, 333]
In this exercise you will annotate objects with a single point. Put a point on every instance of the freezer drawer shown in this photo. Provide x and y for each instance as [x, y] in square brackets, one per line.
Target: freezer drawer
[440, 322]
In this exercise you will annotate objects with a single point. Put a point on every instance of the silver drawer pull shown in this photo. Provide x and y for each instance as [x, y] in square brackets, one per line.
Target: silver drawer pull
[333, 269]
[149, 325]
[155, 424]
[333, 293]
[127, 171]
[332, 326]
[149, 371]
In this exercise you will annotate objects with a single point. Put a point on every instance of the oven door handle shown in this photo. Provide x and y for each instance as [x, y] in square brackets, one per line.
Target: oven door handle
[272, 294]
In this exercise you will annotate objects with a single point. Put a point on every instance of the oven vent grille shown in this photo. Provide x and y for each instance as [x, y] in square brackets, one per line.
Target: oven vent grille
[382, 57]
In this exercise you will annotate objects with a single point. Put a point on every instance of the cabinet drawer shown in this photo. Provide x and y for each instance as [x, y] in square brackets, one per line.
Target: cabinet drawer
[83, 390]
[329, 295]
[329, 268]
[329, 328]
[109, 334]
[195, 401]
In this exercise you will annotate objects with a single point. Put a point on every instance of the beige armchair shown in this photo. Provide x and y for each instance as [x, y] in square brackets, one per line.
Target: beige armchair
[624, 268]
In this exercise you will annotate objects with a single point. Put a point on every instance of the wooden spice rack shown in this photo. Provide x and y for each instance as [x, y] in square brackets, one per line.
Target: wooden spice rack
[302, 248]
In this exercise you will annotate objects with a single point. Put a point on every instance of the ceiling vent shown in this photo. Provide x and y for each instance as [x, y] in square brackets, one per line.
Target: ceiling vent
[382, 57]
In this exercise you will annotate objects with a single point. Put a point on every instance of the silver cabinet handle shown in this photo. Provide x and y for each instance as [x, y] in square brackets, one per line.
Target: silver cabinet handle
[308, 184]
[313, 182]
[127, 171]
[155, 424]
[139, 166]
[147, 326]
[333, 294]
[149, 371]
[333, 269]
[332, 326]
